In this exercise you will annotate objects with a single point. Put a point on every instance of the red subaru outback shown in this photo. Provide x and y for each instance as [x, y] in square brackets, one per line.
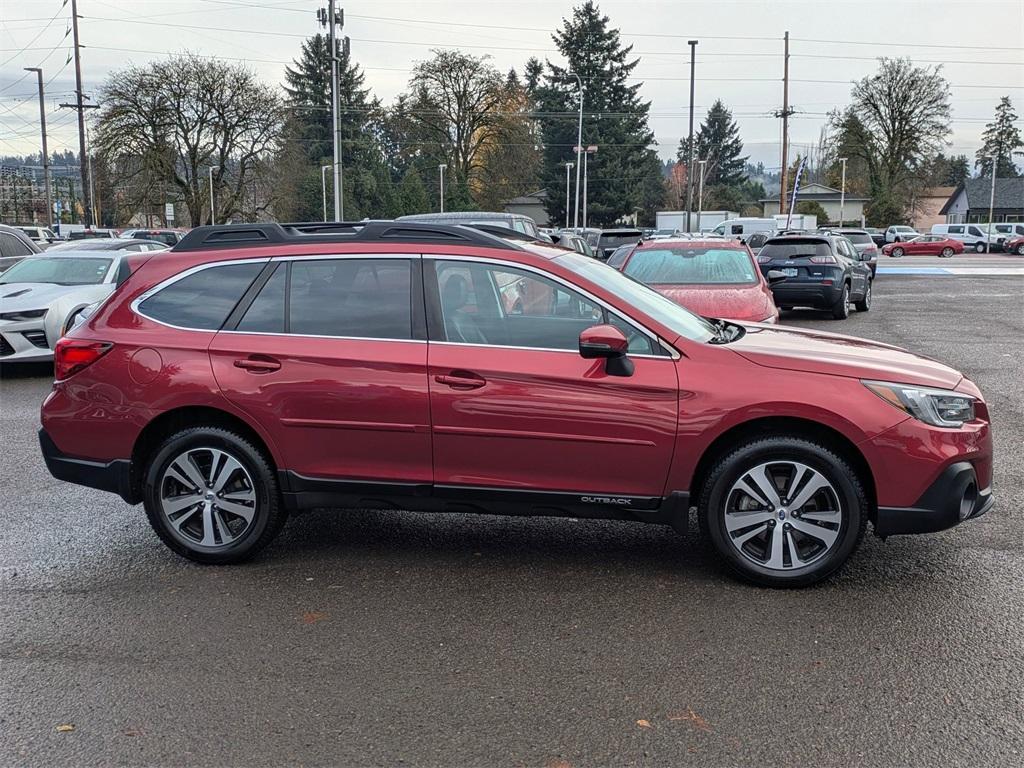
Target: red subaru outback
[256, 370]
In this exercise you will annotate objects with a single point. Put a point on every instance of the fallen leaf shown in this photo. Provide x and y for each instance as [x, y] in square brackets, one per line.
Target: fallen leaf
[692, 717]
[312, 617]
[65, 728]
[643, 723]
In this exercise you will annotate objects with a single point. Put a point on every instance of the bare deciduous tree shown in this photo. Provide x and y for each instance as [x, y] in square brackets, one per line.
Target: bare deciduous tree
[178, 118]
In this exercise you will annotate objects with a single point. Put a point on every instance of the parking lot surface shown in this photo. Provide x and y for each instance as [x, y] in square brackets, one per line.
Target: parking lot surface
[387, 638]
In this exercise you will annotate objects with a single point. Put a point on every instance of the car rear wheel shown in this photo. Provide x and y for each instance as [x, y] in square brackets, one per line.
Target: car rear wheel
[947, 252]
[783, 511]
[897, 252]
[841, 309]
[212, 496]
[865, 303]
[979, 247]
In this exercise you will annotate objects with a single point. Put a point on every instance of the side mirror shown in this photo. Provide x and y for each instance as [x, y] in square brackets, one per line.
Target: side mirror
[775, 276]
[608, 342]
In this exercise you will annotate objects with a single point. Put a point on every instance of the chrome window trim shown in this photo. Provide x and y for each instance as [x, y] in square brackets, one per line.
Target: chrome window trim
[321, 336]
[574, 352]
[674, 354]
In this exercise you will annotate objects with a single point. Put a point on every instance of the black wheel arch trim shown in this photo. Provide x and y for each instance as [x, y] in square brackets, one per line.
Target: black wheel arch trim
[951, 499]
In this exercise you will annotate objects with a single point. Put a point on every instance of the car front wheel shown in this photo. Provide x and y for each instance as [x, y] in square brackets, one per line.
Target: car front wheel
[212, 496]
[1020, 249]
[783, 511]
[897, 252]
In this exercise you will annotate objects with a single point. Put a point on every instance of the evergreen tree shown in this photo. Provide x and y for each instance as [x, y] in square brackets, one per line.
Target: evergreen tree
[718, 142]
[626, 175]
[1000, 139]
[413, 194]
[533, 72]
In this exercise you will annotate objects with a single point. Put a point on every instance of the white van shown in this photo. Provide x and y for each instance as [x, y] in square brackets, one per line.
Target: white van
[740, 229]
[971, 235]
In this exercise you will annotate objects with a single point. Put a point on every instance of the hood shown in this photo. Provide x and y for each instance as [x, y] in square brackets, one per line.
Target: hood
[19, 296]
[831, 353]
[735, 302]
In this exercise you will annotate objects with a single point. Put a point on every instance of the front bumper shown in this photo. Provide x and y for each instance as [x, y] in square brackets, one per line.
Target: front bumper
[19, 342]
[951, 499]
[112, 476]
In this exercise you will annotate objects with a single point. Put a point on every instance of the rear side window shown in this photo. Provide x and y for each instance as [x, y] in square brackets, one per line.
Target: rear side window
[956, 230]
[360, 298]
[12, 246]
[202, 300]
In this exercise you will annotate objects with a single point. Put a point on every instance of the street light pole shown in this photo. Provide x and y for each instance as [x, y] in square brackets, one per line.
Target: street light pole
[700, 192]
[991, 205]
[323, 186]
[441, 168]
[46, 154]
[213, 210]
[689, 163]
[842, 193]
[591, 150]
[568, 187]
[579, 150]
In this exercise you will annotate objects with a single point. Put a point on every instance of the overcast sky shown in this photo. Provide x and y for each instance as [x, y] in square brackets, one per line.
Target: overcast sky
[833, 43]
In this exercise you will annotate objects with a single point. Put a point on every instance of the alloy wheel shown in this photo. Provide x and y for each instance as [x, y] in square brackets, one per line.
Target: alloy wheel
[897, 252]
[783, 515]
[947, 252]
[207, 497]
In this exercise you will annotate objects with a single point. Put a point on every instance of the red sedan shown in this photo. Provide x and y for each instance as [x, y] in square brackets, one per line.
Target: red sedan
[1016, 245]
[713, 278]
[925, 245]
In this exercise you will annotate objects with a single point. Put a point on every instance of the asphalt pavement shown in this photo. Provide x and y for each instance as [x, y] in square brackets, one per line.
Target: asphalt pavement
[390, 638]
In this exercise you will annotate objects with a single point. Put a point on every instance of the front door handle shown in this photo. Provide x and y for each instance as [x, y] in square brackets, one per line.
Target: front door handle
[258, 364]
[460, 380]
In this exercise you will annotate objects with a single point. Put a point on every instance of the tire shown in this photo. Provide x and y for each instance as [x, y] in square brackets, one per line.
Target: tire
[841, 309]
[203, 531]
[839, 505]
[1020, 249]
[897, 253]
[947, 252]
[979, 247]
[865, 303]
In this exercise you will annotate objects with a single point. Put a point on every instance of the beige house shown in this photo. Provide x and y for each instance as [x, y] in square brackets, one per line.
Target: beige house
[829, 199]
[929, 208]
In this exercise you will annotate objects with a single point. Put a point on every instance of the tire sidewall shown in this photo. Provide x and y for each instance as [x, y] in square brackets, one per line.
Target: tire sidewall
[851, 499]
[264, 485]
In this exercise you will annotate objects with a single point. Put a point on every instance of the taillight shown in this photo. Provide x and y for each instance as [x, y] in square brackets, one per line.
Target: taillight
[822, 259]
[73, 355]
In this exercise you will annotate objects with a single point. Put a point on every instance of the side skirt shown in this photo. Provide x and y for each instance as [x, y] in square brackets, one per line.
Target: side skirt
[302, 492]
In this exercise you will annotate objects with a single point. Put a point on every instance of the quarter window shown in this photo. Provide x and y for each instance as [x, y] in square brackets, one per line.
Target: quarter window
[266, 313]
[361, 298]
[204, 299]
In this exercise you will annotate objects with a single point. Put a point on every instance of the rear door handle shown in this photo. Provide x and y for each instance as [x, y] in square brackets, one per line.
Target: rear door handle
[460, 380]
[258, 364]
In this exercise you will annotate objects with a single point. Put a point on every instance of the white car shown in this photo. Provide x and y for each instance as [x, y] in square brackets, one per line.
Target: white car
[899, 233]
[40, 235]
[41, 296]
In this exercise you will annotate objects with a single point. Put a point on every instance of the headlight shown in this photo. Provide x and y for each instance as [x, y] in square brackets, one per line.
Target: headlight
[29, 314]
[938, 407]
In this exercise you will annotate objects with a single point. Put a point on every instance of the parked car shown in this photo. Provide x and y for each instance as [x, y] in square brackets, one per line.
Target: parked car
[877, 235]
[1016, 245]
[610, 239]
[863, 244]
[569, 239]
[618, 257]
[113, 244]
[41, 296]
[40, 235]
[822, 272]
[88, 234]
[712, 278]
[228, 383]
[925, 245]
[15, 245]
[757, 240]
[900, 233]
[515, 221]
[169, 237]
[973, 236]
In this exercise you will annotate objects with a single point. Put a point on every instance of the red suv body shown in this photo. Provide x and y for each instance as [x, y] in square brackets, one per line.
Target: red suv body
[256, 370]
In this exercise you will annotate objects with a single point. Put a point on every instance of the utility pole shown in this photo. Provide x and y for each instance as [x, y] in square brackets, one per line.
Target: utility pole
[81, 106]
[842, 192]
[440, 169]
[579, 149]
[991, 204]
[700, 192]
[46, 154]
[689, 162]
[591, 150]
[213, 209]
[568, 188]
[323, 186]
[786, 112]
[332, 20]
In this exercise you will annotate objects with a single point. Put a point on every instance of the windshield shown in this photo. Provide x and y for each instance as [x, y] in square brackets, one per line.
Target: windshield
[638, 295]
[619, 238]
[685, 266]
[903, 229]
[797, 249]
[62, 271]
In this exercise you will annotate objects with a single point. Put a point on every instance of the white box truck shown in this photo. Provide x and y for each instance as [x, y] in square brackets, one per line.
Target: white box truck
[700, 221]
[804, 221]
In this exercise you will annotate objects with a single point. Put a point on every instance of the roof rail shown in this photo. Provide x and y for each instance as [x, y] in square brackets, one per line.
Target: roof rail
[221, 236]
